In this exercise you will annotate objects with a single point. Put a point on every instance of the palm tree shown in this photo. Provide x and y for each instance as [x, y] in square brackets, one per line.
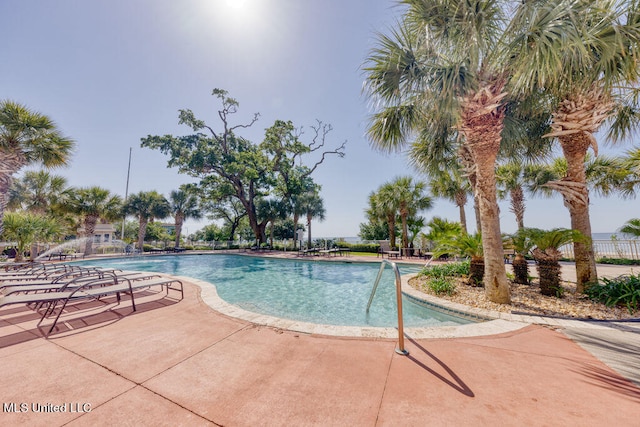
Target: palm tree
[313, 208]
[183, 205]
[409, 198]
[521, 243]
[449, 184]
[297, 198]
[269, 211]
[26, 228]
[547, 254]
[92, 204]
[437, 74]
[37, 191]
[580, 53]
[382, 208]
[631, 162]
[631, 227]
[146, 205]
[510, 179]
[27, 138]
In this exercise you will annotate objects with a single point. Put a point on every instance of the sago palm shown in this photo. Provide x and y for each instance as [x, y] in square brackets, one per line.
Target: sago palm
[466, 245]
[521, 243]
[547, 254]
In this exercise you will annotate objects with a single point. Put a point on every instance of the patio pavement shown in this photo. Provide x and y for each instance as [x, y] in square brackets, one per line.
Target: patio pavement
[180, 362]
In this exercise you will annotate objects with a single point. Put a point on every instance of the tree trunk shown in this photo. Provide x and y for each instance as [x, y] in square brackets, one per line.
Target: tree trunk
[296, 217]
[461, 200]
[392, 231]
[11, 160]
[476, 272]
[574, 122]
[271, 234]
[549, 273]
[308, 232]
[482, 124]
[520, 270]
[517, 205]
[142, 231]
[178, 224]
[405, 230]
[576, 199]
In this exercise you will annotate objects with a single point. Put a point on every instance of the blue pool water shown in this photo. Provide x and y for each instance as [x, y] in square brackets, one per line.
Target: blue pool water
[330, 293]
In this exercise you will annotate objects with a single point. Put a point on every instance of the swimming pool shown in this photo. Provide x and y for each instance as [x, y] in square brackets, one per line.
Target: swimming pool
[332, 293]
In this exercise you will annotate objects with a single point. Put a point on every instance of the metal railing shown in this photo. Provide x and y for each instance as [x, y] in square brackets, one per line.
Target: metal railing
[400, 349]
[629, 249]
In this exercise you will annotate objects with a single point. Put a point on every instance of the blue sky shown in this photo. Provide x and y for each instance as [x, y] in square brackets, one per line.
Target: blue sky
[112, 71]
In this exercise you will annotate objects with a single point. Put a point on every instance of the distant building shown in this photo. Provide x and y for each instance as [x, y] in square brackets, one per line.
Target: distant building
[167, 227]
[104, 233]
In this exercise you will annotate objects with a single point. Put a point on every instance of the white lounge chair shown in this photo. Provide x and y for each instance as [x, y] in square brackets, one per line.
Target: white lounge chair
[87, 291]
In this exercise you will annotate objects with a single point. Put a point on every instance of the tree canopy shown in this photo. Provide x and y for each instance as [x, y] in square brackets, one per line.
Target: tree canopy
[230, 166]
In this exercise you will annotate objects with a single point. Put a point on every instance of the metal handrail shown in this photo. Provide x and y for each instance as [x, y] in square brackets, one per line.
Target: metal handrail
[400, 349]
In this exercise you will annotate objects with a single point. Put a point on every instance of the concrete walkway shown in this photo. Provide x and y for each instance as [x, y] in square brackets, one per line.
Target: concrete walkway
[179, 362]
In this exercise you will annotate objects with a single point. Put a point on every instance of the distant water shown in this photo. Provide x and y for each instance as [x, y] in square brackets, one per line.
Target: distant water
[595, 236]
[608, 236]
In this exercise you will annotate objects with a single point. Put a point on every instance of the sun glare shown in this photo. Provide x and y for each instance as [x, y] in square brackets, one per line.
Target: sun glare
[236, 4]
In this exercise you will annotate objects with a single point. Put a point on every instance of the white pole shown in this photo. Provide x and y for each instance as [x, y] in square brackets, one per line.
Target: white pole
[126, 193]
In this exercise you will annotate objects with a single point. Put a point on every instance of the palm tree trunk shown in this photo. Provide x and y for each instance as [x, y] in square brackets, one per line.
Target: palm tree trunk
[178, 224]
[520, 270]
[517, 205]
[5, 184]
[461, 200]
[574, 123]
[10, 162]
[548, 271]
[576, 198]
[392, 231]
[296, 217]
[482, 124]
[142, 231]
[308, 232]
[476, 272]
[405, 230]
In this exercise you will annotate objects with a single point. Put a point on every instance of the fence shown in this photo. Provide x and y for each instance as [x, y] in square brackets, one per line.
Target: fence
[627, 249]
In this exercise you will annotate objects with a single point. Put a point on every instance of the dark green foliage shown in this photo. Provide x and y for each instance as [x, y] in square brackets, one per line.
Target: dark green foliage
[374, 230]
[358, 247]
[619, 261]
[620, 291]
[454, 269]
[441, 285]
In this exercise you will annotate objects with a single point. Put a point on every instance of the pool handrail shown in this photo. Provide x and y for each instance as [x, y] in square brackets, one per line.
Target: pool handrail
[400, 349]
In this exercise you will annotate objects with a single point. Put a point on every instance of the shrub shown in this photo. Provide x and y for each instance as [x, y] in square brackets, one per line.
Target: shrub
[441, 285]
[358, 247]
[619, 261]
[453, 269]
[622, 291]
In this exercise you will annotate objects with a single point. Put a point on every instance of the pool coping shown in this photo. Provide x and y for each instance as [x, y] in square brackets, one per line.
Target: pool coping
[489, 322]
[490, 325]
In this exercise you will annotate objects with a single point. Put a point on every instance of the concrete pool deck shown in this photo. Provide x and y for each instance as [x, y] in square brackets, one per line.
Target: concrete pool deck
[180, 362]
